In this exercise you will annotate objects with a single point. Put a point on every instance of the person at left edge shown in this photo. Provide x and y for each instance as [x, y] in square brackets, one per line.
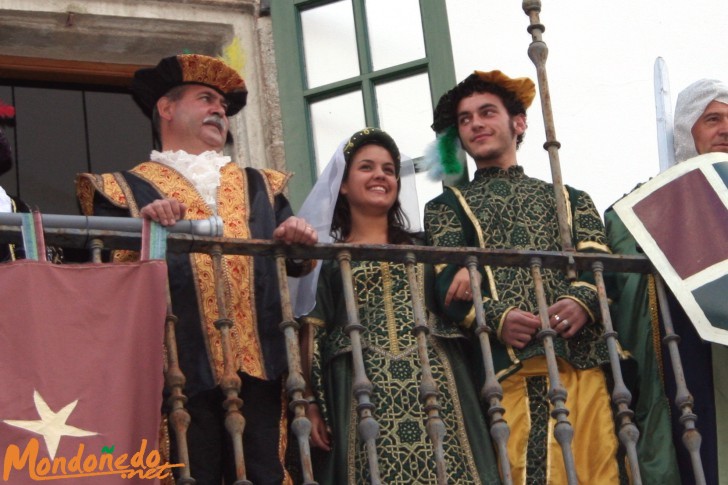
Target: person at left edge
[190, 98]
[8, 252]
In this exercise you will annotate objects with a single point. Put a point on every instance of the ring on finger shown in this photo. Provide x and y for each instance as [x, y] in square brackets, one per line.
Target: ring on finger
[557, 317]
[566, 323]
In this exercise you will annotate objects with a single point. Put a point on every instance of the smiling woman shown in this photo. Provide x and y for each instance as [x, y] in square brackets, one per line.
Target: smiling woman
[371, 190]
[391, 356]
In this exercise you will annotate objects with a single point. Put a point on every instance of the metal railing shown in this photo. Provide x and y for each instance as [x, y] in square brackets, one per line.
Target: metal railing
[120, 233]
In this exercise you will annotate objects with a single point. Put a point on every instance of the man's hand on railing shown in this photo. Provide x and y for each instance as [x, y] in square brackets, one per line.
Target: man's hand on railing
[460, 287]
[567, 317]
[295, 230]
[164, 211]
[519, 328]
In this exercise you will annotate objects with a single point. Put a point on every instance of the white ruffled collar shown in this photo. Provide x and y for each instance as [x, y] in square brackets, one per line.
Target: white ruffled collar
[5, 204]
[202, 170]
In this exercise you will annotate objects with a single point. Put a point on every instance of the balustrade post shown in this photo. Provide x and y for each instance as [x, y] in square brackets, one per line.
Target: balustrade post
[230, 382]
[563, 430]
[621, 397]
[361, 386]
[538, 53]
[492, 391]
[295, 383]
[179, 418]
[428, 387]
[683, 399]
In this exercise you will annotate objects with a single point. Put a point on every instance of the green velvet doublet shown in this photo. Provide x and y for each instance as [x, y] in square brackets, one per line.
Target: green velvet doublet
[505, 209]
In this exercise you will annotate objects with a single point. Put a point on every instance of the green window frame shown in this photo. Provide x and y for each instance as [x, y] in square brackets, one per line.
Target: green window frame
[296, 97]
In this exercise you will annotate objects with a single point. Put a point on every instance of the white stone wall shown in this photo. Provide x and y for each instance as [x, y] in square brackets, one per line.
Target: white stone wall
[143, 32]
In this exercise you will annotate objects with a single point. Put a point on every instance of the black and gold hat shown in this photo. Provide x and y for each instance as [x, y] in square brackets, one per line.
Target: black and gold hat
[152, 83]
[445, 115]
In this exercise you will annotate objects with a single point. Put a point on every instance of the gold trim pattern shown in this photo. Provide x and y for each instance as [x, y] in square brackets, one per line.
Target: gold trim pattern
[125, 193]
[603, 248]
[469, 319]
[87, 184]
[389, 308]
[316, 322]
[232, 205]
[210, 71]
[569, 214]
[655, 323]
[459, 423]
[276, 181]
[481, 239]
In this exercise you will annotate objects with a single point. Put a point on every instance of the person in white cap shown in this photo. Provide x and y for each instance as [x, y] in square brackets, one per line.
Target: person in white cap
[503, 208]
[701, 126]
[701, 119]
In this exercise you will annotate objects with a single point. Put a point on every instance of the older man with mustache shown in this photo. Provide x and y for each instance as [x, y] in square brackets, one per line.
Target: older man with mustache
[190, 98]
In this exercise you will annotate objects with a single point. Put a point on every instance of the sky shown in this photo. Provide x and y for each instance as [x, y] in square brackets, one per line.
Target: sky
[600, 73]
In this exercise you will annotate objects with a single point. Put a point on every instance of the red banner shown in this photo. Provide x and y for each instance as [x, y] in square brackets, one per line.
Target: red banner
[81, 370]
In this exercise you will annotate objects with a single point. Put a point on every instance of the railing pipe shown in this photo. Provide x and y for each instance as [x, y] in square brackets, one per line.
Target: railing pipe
[211, 227]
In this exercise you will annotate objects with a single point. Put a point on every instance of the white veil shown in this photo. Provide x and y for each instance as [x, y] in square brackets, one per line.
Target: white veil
[318, 210]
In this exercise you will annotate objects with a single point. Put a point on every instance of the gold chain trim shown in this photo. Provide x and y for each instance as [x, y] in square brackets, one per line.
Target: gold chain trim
[655, 323]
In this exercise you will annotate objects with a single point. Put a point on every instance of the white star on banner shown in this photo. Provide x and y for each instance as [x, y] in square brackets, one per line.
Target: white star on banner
[52, 426]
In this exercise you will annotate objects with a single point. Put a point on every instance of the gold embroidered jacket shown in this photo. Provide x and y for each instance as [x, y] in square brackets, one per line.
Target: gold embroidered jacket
[251, 204]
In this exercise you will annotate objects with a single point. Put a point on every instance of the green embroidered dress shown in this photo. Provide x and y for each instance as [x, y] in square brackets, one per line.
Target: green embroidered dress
[392, 364]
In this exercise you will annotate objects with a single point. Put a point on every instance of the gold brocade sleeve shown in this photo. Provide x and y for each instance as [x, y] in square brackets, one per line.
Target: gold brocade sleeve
[88, 184]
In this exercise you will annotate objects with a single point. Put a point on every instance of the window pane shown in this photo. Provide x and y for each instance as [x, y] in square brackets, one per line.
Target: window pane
[329, 43]
[115, 146]
[405, 112]
[332, 120]
[51, 147]
[395, 32]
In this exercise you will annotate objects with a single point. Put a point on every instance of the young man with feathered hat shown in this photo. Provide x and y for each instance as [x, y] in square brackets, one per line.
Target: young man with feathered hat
[503, 208]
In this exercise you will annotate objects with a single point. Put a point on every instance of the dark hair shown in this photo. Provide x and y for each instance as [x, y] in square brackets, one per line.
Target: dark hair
[445, 114]
[174, 94]
[397, 220]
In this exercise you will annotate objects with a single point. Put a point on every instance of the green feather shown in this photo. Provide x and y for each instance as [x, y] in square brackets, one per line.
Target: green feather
[448, 147]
